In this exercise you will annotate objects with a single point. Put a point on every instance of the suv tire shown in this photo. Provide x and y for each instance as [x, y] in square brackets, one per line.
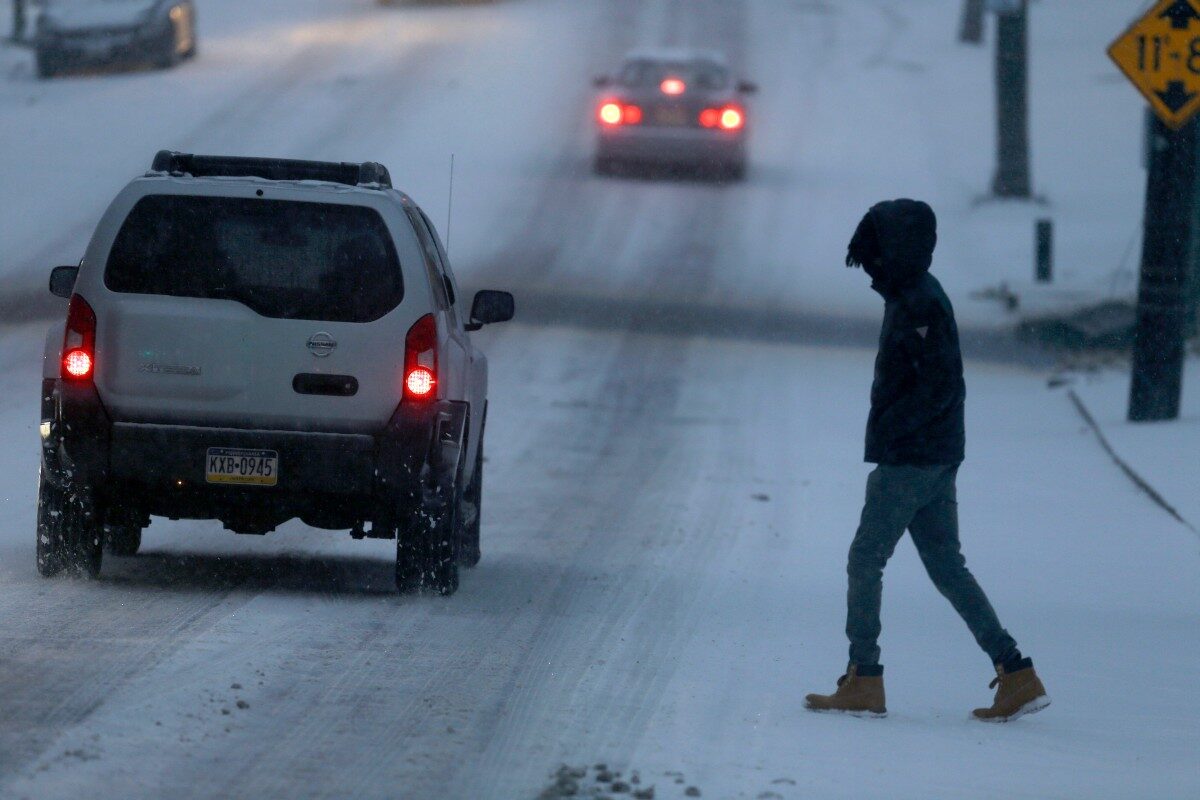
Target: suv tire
[427, 550]
[123, 540]
[68, 535]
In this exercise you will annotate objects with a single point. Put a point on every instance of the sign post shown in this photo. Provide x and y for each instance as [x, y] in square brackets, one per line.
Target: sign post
[1160, 54]
[1012, 179]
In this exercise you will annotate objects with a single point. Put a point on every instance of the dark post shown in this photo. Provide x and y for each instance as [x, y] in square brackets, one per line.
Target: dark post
[970, 28]
[1192, 293]
[1012, 103]
[1158, 347]
[1045, 251]
[18, 25]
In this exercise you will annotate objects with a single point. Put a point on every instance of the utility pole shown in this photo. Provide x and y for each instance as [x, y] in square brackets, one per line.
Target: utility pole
[18, 25]
[1012, 100]
[970, 28]
[1159, 54]
[1158, 347]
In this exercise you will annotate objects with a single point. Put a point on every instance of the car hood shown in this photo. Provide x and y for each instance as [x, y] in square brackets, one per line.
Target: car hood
[85, 14]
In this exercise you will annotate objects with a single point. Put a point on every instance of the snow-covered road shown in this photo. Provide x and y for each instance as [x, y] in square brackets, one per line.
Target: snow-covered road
[670, 495]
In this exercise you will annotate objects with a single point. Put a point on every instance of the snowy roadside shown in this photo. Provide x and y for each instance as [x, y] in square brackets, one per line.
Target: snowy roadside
[657, 596]
[1164, 453]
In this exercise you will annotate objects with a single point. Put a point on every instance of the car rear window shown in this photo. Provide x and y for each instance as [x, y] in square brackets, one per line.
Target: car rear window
[697, 74]
[283, 259]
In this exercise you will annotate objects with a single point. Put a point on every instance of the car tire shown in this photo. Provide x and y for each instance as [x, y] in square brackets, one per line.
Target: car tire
[168, 54]
[46, 63]
[735, 171]
[470, 514]
[603, 165]
[68, 534]
[427, 548]
[123, 540]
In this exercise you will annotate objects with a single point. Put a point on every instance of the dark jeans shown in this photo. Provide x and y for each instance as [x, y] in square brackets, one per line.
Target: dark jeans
[923, 500]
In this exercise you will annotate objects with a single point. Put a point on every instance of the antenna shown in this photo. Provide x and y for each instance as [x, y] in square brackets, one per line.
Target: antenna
[450, 205]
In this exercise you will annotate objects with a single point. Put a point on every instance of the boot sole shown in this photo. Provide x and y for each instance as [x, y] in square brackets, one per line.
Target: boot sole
[848, 713]
[1032, 707]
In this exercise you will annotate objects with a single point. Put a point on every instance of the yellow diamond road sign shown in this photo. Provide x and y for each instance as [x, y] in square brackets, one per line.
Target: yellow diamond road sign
[1160, 53]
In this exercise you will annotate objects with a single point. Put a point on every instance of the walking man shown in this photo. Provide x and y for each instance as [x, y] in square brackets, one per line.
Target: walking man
[916, 438]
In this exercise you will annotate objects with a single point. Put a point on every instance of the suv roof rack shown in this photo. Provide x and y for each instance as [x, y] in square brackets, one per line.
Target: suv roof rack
[368, 173]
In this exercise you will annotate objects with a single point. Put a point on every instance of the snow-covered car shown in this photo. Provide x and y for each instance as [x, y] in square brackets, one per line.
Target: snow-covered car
[255, 340]
[672, 108]
[73, 33]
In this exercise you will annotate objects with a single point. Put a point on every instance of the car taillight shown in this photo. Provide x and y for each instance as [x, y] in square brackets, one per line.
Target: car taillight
[79, 341]
[613, 114]
[732, 119]
[729, 118]
[420, 359]
[610, 114]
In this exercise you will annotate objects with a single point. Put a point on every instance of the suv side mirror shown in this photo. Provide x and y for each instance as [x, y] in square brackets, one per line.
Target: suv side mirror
[747, 87]
[62, 281]
[490, 306]
[600, 81]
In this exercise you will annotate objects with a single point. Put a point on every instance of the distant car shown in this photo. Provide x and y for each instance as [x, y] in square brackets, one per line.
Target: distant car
[252, 340]
[73, 33]
[673, 108]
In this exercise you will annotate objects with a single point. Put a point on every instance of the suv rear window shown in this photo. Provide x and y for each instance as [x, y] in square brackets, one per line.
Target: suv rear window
[283, 259]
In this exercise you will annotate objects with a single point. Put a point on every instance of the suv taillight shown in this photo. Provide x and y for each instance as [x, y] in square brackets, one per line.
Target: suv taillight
[79, 343]
[420, 359]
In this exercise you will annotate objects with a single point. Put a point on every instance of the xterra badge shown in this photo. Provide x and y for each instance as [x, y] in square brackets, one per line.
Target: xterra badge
[169, 369]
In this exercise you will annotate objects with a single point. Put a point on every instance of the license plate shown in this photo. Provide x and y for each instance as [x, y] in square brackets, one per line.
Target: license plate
[100, 45]
[670, 116]
[242, 467]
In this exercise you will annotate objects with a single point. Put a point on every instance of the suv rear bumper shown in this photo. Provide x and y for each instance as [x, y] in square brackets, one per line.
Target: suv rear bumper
[175, 455]
[329, 480]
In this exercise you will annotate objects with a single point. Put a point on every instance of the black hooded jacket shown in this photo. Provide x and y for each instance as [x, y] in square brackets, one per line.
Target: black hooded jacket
[918, 396]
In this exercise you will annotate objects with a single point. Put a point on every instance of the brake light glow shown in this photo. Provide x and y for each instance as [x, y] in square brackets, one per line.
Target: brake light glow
[420, 359]
[729, 118]
[79, 341]
[610, 114]
[613, 113]
[732, 119]
[78, 364]
[419, 382]
[673, 86]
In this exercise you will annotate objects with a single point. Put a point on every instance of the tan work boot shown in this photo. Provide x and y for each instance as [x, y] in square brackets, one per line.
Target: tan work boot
[1018, 692]
[860, 695]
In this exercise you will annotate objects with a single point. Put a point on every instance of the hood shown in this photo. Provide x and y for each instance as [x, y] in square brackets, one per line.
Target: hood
[906, 231]
[73, 15]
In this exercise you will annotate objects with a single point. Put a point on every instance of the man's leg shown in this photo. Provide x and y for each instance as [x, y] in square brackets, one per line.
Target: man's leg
[893, 496]
[934, 530]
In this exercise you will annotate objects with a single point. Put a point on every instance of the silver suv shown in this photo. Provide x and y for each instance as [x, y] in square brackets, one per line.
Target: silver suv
[253, 340]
